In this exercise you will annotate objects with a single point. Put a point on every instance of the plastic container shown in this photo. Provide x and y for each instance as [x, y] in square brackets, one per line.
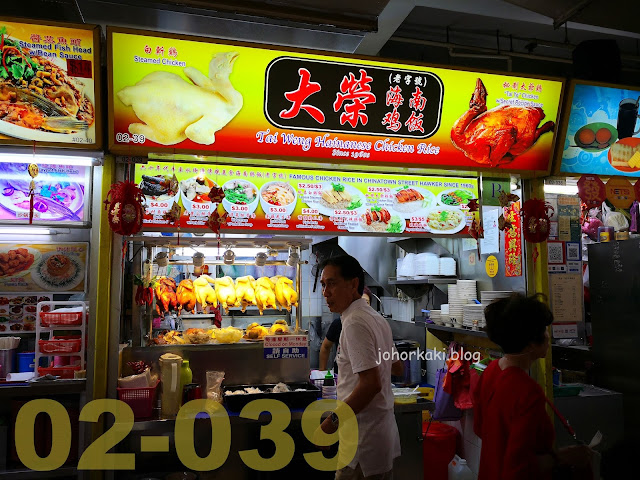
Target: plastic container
[438, 449]
[61, 345]
[605, 234]
[26, 361]
[62, 372]
[186, 376]
[140, 400]
[329, 389]
[459, 470]
[64, 318]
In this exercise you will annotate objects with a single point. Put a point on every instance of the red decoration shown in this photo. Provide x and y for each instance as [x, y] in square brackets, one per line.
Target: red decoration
[124, 208]
[536, 214]
[473, 205]
[216, 221]
[216, 194]
[513, 243]
[591, 190]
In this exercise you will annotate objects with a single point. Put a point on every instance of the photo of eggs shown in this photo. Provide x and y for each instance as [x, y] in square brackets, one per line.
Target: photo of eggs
[596, 136]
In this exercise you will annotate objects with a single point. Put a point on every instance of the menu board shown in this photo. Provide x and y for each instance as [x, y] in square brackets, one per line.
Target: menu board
[566, 297]
[308, 201]
[18, 312]
[603, 132]
[56, 268]
[49, 78]
[189, 94]
[61, 194]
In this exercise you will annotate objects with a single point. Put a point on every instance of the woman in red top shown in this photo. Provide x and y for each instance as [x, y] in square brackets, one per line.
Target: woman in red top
[509, 406]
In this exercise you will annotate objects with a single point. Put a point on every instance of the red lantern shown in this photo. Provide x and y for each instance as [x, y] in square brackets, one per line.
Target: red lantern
[536, 215]
[124, 208]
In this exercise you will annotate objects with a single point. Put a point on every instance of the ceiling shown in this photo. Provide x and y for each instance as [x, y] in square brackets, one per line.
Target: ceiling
[528, 36]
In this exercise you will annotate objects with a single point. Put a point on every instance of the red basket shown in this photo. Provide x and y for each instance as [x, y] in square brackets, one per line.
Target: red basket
[139, 399]
[61, 345]
[63, 318]
[62, 372]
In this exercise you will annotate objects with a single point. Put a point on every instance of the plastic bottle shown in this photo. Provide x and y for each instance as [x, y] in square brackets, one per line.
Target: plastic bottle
[329, 387]
[186, 376]
[459, 470]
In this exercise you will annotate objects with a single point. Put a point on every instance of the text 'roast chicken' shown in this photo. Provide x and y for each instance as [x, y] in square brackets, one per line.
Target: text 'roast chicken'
[494, 137]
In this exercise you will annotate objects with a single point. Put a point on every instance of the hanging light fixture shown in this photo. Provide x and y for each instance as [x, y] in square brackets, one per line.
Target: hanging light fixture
[261, 259]
[272, 252]
[162, 259]
[294, 256]
[198, 262]
[229, 257]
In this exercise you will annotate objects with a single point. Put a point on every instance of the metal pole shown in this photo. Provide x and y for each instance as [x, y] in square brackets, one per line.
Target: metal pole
[298, 289]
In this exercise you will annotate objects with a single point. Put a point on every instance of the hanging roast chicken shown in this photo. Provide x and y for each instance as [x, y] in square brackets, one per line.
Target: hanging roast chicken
[166, 299]
[496, 136]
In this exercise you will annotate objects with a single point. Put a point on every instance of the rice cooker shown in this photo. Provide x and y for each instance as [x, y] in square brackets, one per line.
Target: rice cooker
[408, 351]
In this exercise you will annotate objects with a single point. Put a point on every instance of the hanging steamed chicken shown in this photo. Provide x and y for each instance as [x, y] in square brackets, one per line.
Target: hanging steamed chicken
[166, 299]
[205, 294]
[265, 294]
[186, 296]
[285, 294]
[245, 293]
[226, 291]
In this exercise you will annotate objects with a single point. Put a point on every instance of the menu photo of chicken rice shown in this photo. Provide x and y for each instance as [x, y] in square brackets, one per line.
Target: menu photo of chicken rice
[171, 109]
[39, 99]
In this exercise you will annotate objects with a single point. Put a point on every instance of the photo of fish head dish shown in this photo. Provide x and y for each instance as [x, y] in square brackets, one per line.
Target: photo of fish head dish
[410, 201]
[240, 196]
[381, 220]
[39, 101]
[445, 220]
[278, 198]
[194, 192]
[55, 198]
[497, 136]
[172, 109]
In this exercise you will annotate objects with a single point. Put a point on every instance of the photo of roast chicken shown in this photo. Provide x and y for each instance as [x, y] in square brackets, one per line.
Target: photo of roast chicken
[173, 109]
[166, 299]
[494, 137]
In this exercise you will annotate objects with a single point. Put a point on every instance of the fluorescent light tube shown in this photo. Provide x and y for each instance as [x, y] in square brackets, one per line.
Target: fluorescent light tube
[26, 231]
[561, 189]
[47, 159]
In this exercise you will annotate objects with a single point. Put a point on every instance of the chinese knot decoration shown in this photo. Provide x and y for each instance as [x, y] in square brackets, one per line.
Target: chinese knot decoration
[536, 215]
[33, 173]
[124, 208]
[216, 220]
[506, 200]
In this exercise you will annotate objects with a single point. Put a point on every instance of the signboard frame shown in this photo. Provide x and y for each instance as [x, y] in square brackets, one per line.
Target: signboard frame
[132, 149]
[98, 144]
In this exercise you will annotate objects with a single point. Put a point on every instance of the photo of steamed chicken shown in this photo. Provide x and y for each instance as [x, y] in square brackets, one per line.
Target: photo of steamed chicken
[494, 137]
[172, 109]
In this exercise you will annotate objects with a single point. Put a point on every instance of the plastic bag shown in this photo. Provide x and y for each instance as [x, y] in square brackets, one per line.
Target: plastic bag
[445, 408]
[614, 219]
[214, 381]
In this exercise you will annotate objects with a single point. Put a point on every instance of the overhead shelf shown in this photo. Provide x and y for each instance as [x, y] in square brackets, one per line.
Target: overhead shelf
[428, 280]
[461, 331]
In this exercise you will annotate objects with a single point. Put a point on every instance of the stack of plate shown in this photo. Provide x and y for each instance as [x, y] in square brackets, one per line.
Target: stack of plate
[467, 290]
[489, 296]
[435, 317]
[444, 315]
[447, 266]
[408, 266]
[473, 316]
[456, 305]
[427, 264]
[399, 268]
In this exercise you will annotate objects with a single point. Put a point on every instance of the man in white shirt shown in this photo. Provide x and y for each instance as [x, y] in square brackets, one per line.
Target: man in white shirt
[364, 377]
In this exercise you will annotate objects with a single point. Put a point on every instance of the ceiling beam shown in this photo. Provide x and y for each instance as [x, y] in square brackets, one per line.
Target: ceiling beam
[389, 21]
[570, 13]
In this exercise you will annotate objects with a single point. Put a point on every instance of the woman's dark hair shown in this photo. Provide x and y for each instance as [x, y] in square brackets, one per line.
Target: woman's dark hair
[367, 292]
[516, 321]
[349, 269]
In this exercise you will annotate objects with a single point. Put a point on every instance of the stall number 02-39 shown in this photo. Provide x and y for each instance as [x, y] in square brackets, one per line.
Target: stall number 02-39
[95, 456]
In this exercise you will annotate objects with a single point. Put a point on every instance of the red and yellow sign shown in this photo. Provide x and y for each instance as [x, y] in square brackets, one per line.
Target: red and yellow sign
[193, 95]
[308, 201]
[49, 76]
[591, 190]
[513, 242]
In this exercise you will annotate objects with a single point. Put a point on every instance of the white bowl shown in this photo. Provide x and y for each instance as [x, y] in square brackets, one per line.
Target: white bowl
[251, 207]
[270, 209]
[191, 206]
